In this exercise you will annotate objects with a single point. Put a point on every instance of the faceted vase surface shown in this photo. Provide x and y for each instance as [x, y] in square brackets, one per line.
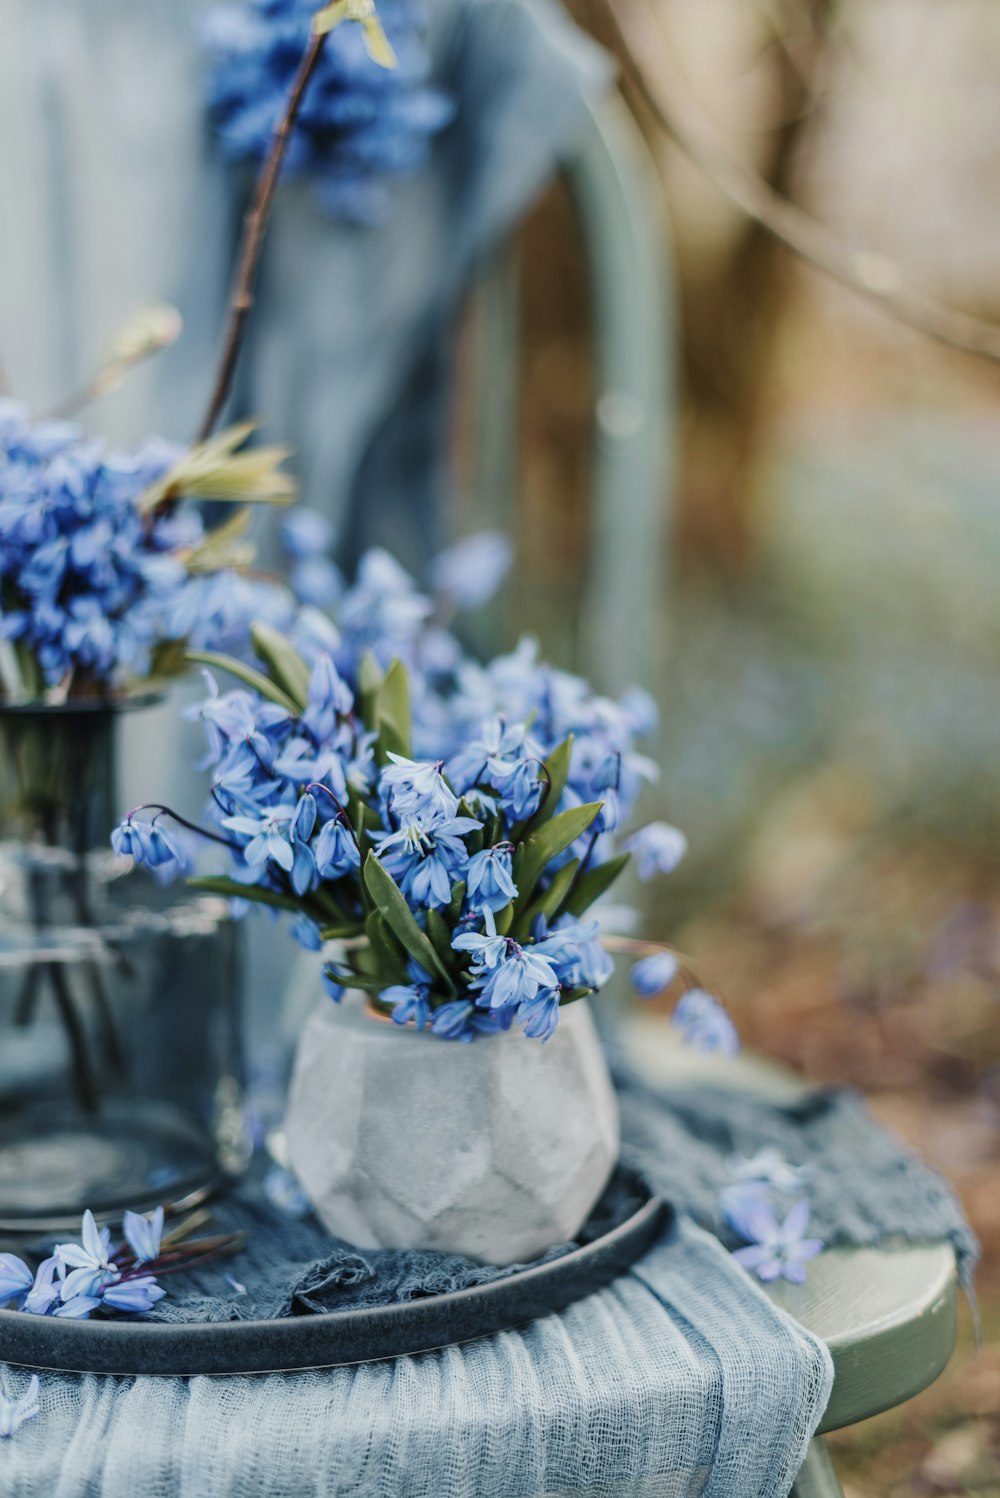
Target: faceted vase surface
[120, 1061]
[497, 1150]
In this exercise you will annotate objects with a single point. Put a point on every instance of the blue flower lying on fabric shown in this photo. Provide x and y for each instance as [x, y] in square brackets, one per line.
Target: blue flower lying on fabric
[771, 1169]
[80, 1278]
[15, 1411]
[776, 1249]
[359, 123]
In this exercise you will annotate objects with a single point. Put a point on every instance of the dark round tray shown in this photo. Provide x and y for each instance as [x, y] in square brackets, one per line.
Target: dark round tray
[336, 1338]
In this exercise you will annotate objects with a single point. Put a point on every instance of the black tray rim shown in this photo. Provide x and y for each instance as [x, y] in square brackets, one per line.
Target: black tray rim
[298, 1344]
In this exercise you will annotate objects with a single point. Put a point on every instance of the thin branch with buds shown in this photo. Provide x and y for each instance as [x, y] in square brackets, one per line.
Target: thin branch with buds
[258, 215]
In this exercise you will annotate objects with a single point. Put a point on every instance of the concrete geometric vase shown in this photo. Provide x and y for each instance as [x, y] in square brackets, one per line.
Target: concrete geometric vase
[496, 1150]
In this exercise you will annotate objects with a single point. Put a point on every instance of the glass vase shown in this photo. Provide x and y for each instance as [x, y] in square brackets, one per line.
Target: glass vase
[120, 1059]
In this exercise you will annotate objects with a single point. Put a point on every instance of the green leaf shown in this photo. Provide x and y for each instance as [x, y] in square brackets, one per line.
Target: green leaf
[377, 44]
[473, 840]
[389, 959]
[454, 907]
[504, 918]
[593, 884]
[215, 469]
[440, 934]
[535, 855]
[394, 704]
[218, 884]
[557, 765]
[338, 933]
[390, 900]
[370, 678]
[366, 982]
[169, 658]
[548, 903]
[288, 670]
[225, 546]
[255, 680]
[330, 16]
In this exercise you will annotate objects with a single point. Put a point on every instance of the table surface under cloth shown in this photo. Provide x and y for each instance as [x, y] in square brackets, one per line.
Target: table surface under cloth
[682, 1378]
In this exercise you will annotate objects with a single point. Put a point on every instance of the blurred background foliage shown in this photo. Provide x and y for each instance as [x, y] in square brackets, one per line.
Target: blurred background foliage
[831, 693]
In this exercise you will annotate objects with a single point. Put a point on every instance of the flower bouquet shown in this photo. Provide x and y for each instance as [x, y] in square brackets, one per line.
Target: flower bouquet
[443, 829]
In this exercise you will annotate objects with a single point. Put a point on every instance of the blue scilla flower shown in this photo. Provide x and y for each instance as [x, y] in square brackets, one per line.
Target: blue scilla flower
[426, 855]
[468, 573]
[453, 1021]
[429, 876]
[307, 933]
[150, 844]
[489, 883]
[359, 122]
[45, 1294]
[704, 1024]
[658, 849]
[267, 835]
[383, 611]
[486, 949]
[15, 1411]
[144, 1234]
[540, 1015]
[414, 788]
[577, 953]
[329, 698]
[135, 1294]
[303, 875]
[516, 979]
[460, 1020]
[306, 533]
[317, 581]
[337, 852]
[410, 1001]
[492, 753]
[769, 1167]
[651, 975]
[87, 1264]
[777, 1249]
[15, 1277]
[308, 537]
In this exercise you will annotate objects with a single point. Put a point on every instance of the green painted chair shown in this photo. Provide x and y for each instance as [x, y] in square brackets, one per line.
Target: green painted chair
[618, 200]
[887, 1315]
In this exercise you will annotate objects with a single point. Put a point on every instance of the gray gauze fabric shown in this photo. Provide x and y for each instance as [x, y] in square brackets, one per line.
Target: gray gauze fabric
[681, 1379]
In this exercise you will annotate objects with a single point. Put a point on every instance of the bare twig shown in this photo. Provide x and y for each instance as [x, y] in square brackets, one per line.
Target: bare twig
[241, 302]
[870, 275]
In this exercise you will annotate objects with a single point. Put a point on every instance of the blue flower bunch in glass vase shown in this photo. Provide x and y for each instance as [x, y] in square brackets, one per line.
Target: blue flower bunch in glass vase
[370, 113]
[106, 574]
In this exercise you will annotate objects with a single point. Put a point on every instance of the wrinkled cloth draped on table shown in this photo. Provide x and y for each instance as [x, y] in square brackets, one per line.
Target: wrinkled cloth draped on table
[680, 1379]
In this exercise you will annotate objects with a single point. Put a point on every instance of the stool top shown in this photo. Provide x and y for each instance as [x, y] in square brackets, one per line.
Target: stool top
[887, 1314]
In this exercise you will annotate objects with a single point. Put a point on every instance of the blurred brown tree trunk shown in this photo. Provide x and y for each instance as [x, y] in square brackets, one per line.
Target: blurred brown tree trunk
[730, 319]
